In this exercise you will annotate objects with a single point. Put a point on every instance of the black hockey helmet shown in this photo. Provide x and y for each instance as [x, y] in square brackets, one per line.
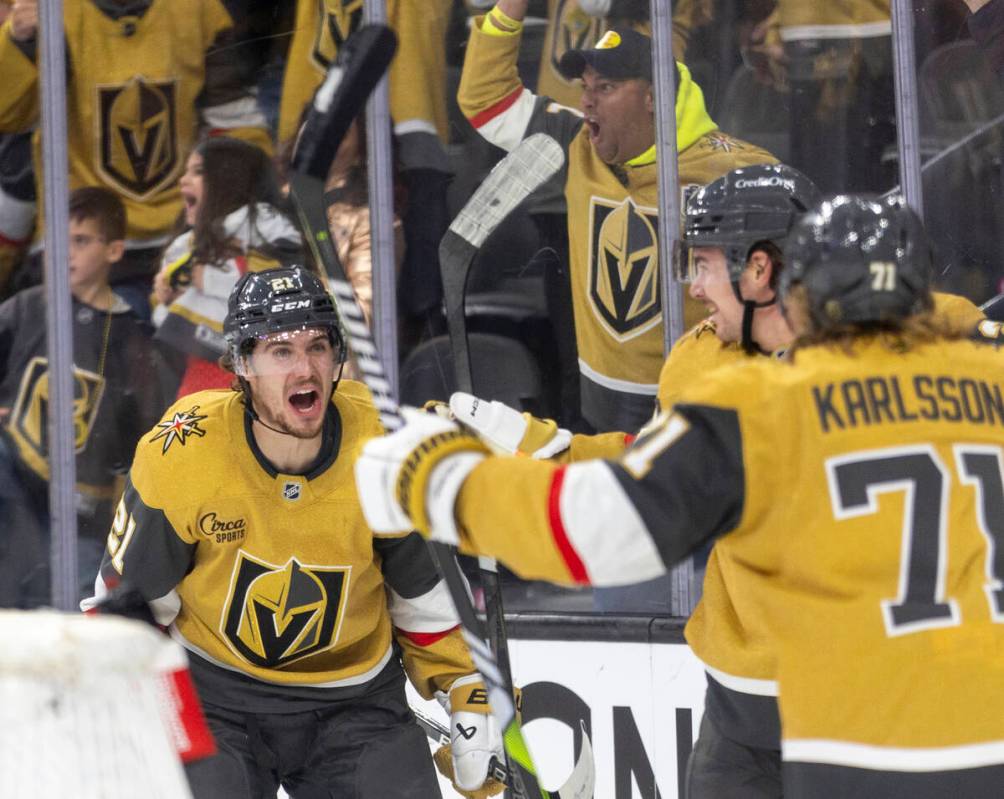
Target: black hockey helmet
[278, 300]
[746, 206]
[861, 259]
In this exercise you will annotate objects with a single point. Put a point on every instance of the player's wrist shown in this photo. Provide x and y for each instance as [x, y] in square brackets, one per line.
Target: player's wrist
[500, 23]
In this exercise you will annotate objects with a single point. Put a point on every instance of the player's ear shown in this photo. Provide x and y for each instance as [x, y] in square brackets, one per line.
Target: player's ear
[761, 267]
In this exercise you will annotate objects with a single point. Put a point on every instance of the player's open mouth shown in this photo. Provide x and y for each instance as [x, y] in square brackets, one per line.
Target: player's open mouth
[594, 127]
[305, 401]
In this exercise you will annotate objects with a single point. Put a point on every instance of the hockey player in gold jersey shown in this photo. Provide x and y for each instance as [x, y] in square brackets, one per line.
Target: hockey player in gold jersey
[240, 525]
[860, 482]
[733, 234]
[610, 186]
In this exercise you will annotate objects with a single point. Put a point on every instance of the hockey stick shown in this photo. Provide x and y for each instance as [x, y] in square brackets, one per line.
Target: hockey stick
[332, 111]
[513, 179]
[440, 734]
[994, 308]
[577, 786]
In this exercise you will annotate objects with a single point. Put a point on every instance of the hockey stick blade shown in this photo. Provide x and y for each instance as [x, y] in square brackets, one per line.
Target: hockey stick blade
[530, 164]
[579, 785]
[307, 193]
[361, 63]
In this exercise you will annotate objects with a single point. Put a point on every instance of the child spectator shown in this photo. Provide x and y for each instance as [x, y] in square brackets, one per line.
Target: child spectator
[232, 224]
[118, 395]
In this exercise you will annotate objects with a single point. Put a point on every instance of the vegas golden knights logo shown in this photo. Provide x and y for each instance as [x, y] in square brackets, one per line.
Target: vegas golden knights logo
[337, 20]
[138, 135]
[624, 267]
[31, 410]
[278, 614]
[573, 29]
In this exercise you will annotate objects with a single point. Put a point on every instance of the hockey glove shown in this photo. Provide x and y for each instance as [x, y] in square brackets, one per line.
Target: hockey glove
[474, 739]
[409, 480]
[507, 431]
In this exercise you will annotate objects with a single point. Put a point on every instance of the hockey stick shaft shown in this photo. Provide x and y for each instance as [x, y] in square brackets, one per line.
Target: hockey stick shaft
[531, 164]
[307, 193]
[438, 732]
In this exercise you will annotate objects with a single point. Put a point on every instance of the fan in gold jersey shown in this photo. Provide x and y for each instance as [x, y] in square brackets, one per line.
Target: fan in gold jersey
[860, 482]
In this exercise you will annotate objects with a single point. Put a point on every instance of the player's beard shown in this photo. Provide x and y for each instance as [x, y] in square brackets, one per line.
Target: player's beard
[280, 423]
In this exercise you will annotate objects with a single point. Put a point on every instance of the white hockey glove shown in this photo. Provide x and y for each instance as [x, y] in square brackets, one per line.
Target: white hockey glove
[474, 739]
[409, 480]
[507, 431]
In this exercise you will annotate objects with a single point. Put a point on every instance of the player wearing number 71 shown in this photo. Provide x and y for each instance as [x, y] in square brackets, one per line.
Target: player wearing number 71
[862, 480]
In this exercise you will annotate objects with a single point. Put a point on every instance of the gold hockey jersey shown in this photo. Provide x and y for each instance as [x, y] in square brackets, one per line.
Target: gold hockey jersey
[863, 492]
[276, 576]
[137, 88]
[417, 74]
[612, 223]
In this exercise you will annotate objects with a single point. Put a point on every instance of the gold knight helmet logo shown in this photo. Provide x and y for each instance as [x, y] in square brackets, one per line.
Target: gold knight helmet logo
[336, 21]
[29, 416]
[278, 614]
[138, 135]
[572, 29]
[624, 268]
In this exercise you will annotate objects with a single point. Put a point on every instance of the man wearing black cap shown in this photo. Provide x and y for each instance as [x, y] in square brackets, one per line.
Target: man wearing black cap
[610, 186]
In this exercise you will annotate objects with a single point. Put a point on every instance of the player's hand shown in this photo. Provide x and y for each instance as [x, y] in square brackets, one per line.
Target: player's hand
[24, 20]
[474, 739]
[409, 480]
[506, 431]
[162, 289]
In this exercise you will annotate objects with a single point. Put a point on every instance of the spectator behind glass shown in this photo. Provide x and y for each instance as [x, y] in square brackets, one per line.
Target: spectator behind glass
[17, 194]
[347, 198]
[118, 394]
[142, 78]
[232, 224]
[418, 108]
[986, 24]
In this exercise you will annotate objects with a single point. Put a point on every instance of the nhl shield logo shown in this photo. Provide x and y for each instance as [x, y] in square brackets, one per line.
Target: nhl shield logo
[291, 490]
[624, 268]
[138, 135]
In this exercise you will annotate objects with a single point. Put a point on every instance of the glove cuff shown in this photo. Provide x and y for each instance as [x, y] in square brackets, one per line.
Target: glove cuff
[424, 481]
[468, 694]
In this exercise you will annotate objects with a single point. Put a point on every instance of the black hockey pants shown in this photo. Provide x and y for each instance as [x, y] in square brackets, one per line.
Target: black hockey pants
[367, 749]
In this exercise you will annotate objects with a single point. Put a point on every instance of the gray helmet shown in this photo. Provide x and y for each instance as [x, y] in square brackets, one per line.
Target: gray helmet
[277, 300]
[861, 259]
[747, 205]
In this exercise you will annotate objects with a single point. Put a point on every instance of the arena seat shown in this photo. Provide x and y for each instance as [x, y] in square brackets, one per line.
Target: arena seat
[503, 369]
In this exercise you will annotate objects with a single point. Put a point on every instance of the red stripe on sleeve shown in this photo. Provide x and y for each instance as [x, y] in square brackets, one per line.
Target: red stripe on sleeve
[572, 560]
[629, 439]
[500, 107]
[425, 639]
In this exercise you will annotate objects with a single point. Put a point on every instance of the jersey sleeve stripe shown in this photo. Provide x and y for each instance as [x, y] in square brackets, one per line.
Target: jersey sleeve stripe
[505, 123]
[571, 557]
[425, 639]
[621, 554]
[432, 612]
